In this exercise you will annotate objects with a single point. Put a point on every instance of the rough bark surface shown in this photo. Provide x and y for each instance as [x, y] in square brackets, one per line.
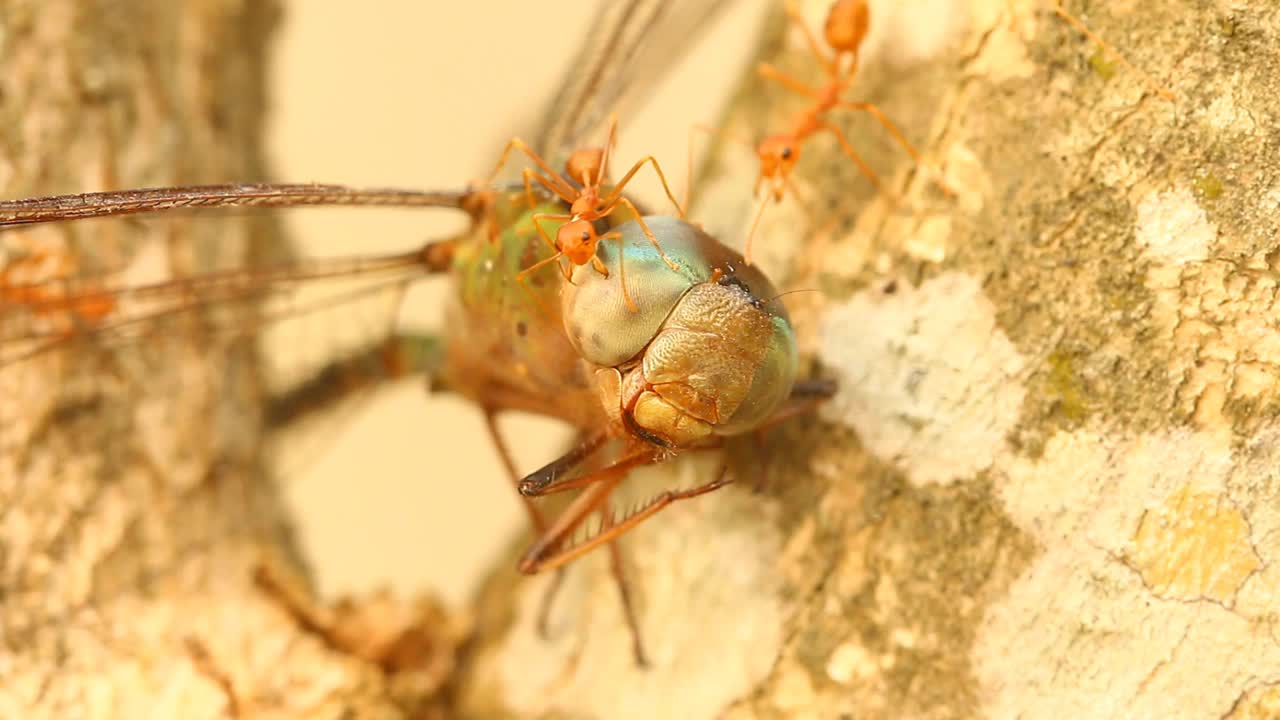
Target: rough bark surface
[1048, 485]
[134, 508]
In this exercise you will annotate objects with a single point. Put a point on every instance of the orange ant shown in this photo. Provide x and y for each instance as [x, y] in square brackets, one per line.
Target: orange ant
[577, 238]
[844, 31]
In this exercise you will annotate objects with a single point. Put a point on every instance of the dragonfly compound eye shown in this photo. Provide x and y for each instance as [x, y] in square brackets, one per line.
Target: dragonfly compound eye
[704, 351]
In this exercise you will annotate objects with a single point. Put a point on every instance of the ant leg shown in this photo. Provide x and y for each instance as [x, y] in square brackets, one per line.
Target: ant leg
[853, 155]
[609, 142]
[1074, 22]
[898, 137]
[647, 233]
[530, 173]
[555, 183]
[520, 278]
[545, 554]
[769, 72]
[617, 189]
[886, 123]
[542, 231]
[792, 8]
[751, 234]
[622, 270]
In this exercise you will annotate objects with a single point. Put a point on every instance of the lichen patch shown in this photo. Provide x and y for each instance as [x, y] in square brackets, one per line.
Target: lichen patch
[927, 379]
[1193, 546]
[1173, 229]
[1147, 544]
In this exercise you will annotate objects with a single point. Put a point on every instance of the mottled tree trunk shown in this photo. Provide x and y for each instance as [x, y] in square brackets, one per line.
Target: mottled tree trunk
[134, 507]
[1048, 486]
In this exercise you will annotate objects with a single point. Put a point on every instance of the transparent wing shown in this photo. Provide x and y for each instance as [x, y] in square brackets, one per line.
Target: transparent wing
[629, 48]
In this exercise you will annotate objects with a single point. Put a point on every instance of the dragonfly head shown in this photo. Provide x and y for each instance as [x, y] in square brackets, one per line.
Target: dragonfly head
[711, 350]
[577, 239]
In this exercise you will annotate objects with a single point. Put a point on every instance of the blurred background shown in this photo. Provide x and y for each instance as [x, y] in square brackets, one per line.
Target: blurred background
[404, 489]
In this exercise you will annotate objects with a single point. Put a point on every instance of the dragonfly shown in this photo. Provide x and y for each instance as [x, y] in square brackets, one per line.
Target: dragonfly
[635, 375]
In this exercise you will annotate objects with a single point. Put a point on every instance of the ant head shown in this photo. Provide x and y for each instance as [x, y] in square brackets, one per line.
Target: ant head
[778, 154]
[577, 240]
[846, 26]
[584, 165]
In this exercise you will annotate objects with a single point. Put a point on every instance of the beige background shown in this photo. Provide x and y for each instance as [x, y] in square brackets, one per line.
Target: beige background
[405, 489]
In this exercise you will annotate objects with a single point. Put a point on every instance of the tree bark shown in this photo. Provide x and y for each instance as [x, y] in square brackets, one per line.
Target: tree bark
[136, 508]
[1047, 487]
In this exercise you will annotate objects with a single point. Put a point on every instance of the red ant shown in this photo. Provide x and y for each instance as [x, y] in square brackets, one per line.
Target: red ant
[844, 31]
[577, 238]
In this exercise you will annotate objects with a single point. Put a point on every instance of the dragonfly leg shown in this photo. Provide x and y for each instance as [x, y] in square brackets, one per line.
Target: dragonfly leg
[616, 569]
[547, 552]
[536, 518]
[805, 397]
[543, 483]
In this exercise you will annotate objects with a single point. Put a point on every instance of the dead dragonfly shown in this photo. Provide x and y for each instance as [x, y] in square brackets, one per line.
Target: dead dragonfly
[506, 356]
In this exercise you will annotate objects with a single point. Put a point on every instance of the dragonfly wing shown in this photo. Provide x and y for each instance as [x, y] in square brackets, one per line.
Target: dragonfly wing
[630, 46]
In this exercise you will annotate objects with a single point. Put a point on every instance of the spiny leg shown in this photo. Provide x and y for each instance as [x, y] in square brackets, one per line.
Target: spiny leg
[557, 184]
[633, 459]
[616, 569]
[544, 554]
[600, 485]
